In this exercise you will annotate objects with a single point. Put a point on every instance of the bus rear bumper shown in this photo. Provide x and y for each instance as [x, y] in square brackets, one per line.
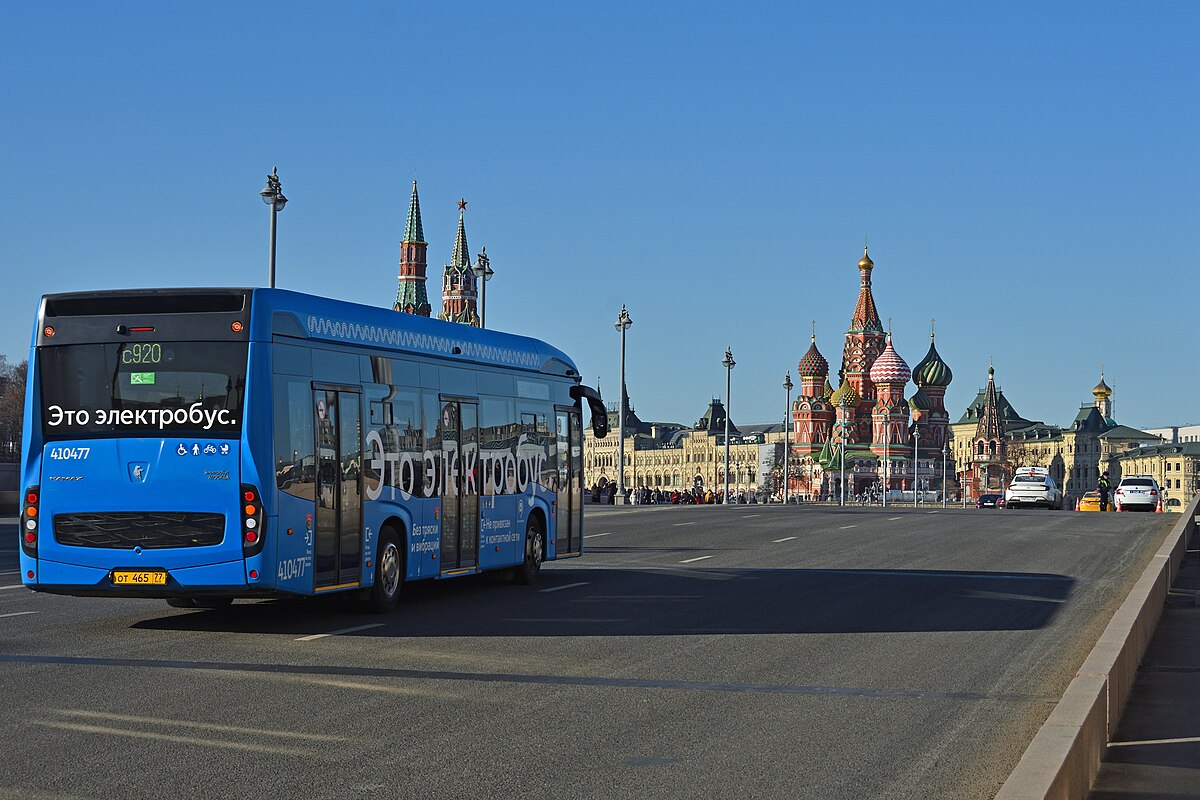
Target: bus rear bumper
[212, 580]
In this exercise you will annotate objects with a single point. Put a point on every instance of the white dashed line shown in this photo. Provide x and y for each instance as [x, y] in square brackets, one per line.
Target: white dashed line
[564, 586]
[14, 586]
[748, 516]
[17, 614]
[847, 527]
[594, 535]
[784, 539]
[891, 519]
[677, 524]
[692, 560]
[339, 633]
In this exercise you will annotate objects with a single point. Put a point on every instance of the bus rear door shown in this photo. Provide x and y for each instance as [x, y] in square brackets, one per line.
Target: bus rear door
[338, 530]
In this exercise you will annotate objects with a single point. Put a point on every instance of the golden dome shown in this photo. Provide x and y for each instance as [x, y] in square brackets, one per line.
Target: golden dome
[865, 262]
[1102, 390]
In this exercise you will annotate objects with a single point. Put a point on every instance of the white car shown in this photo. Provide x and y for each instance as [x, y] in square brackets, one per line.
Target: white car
[1137, 492]
[1033, 486]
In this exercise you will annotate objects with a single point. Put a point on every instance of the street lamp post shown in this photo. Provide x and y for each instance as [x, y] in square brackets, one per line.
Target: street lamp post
[916, 440]
[945, 453]
[729, 365]
[886, 436]
[787, 429]
[272, 195]
[482, 269]
[622, 324]
[842, 422]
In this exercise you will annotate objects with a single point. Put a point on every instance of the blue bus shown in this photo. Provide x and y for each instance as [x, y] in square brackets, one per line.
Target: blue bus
[201, 445]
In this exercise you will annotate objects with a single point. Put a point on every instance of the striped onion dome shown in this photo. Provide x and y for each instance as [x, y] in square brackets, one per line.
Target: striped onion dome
[813, 365]
[920, 401]
[932, 371]
[845, 395]
[889, 367]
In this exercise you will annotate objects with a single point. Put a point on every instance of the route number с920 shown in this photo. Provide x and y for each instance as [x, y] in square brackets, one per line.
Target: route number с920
[69, 453]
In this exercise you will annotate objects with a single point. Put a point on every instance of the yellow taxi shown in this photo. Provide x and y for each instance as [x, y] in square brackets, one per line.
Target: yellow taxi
[1091, 502]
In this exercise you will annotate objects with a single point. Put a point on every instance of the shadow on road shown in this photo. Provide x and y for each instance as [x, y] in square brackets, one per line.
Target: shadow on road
[671, 602]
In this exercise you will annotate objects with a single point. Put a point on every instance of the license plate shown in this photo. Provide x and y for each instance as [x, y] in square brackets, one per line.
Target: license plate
[141, 578]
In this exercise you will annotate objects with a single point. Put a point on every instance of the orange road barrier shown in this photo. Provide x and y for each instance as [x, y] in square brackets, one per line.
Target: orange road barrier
[1158, 508]
[1076, 503]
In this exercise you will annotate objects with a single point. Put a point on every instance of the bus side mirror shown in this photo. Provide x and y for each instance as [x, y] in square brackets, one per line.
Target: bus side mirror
[596, 405]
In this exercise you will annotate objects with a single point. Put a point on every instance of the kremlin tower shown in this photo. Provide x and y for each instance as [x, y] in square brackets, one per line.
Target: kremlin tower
[410, 295]
[458, 282]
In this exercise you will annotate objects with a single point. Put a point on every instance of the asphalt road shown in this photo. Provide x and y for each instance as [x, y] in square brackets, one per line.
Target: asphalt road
[741, 651]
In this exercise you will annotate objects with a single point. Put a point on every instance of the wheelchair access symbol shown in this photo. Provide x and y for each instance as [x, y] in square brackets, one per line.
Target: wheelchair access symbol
[181, 450]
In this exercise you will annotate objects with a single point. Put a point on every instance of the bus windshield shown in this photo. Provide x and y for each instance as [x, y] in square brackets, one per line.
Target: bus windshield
[143, 388]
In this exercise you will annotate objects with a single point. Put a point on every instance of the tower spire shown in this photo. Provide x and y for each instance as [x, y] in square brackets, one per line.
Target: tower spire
[411, 295]
[458, 281]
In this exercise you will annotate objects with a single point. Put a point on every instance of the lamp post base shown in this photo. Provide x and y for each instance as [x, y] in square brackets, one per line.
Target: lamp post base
[621, 499]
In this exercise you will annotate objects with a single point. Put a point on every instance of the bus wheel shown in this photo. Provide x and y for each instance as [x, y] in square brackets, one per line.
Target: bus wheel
[383, 596]
[535, 549]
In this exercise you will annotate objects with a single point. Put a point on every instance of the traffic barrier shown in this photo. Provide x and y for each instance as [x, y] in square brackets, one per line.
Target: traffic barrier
[1076, 503]
[1158, 508]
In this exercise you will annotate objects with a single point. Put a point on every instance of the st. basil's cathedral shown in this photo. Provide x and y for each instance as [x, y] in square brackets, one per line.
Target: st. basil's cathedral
[866, 421]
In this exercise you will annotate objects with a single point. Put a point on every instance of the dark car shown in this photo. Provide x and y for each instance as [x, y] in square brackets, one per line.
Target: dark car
[990, 501]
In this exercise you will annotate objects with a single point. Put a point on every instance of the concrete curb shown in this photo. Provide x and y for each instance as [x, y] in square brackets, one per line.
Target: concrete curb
[1062, 760]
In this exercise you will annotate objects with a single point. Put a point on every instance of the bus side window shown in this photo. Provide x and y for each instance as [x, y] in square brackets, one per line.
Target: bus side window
[404, 436]
[498, 433]
[295, 465]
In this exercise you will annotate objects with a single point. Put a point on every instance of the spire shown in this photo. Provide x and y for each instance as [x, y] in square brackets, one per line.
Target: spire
[866, 316]
[461, 257]
[413, 231]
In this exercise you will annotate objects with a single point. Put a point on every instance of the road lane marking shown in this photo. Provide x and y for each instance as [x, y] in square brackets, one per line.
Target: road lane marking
[784, 539]
[677, 524]
[697, 558]
[340, 632]
[13, 586]
[17, 614]
[11, 572]
[207, 726]
[891, 519]
[594, 535]
[564, 586]
[165, 737]
[847, 527]
[748, 516]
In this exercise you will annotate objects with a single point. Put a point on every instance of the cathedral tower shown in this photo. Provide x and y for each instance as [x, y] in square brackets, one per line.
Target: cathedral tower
[990, 452]
[458, 282]
[865, 340]
[812, 415]
[411, 296]
[889, 418]
[932, 377]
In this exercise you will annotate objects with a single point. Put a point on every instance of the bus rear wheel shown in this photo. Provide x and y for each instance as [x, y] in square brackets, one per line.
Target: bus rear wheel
[535, 551]
[384, 594]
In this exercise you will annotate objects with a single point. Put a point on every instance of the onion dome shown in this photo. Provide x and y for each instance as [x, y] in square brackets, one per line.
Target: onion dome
[828, 392]
[1102, 391]
[920, 402]
[845, 395]
[865, 262]
[932, 371]
[889, 367]
[813, 365]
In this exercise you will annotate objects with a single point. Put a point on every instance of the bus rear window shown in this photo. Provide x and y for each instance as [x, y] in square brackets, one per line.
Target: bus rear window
[143, 389]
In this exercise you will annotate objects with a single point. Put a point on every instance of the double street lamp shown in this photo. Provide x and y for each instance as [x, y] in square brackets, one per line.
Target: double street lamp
[945, 455]
[844, 406]
[787, 430]
[482, 270]
[729, 365]
[886, 437]
[272, 195]
[622, 324]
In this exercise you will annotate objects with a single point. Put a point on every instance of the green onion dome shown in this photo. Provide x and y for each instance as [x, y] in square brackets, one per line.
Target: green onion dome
[845, 395]
[920, 401]
[828, 389]
[813, 365]
[932, 371]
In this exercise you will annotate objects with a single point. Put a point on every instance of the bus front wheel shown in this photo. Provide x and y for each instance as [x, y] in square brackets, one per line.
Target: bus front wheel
[535, 550]
[384, 594]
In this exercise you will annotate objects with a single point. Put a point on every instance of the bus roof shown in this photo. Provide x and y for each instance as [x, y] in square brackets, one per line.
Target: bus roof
[280, 312]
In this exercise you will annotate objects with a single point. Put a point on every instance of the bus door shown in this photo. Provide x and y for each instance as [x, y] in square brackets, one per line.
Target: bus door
[459, 433]
[569, 508]
[338, 529]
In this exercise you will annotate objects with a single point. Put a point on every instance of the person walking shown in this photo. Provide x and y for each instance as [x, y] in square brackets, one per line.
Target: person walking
[1103, 486]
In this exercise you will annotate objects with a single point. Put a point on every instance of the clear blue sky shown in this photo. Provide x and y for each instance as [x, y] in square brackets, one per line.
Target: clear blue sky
[1026, 172]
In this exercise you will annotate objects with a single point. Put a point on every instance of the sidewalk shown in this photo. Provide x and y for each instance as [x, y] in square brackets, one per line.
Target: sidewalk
[1155, 752]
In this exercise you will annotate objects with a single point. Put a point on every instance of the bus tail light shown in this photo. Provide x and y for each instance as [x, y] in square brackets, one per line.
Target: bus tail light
[29, 522]
[253, 533]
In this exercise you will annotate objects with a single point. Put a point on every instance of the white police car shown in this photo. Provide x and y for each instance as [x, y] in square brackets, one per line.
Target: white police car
[1137, 493]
